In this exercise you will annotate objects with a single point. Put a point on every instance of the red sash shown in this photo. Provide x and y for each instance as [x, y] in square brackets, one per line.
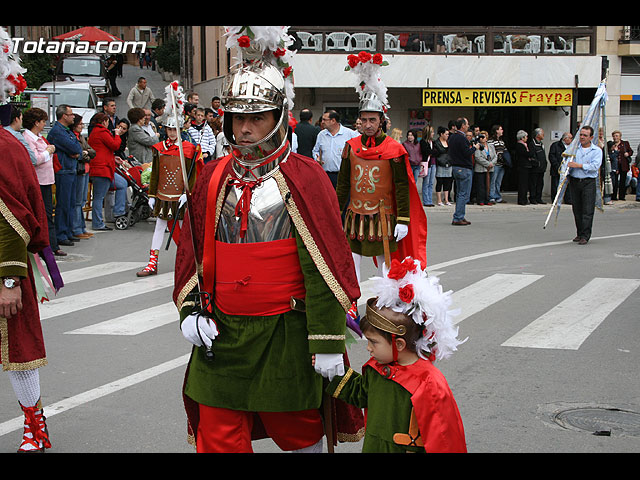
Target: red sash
[257, 278]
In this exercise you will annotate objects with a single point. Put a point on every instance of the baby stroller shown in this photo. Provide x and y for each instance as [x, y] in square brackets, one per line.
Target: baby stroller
[139, 205]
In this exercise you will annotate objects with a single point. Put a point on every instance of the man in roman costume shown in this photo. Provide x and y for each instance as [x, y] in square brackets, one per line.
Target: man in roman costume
[384, 216]
[268, 277]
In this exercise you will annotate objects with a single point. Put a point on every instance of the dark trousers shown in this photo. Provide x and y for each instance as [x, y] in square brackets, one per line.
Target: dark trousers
[524, 184]
[619, 183]
[537, 182]
[65, 204]
[583, 203]
[47, 198]
[480, 184]
[333, 176]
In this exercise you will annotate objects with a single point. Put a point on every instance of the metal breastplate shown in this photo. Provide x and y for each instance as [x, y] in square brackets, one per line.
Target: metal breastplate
[268, 217]
[170, 180]
[371, 182]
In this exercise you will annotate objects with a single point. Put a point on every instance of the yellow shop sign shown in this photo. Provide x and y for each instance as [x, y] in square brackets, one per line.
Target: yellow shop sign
[496, 97]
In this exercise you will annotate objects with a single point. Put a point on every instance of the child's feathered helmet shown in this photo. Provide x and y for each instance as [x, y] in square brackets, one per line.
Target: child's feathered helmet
[168, 117]
[407, 289]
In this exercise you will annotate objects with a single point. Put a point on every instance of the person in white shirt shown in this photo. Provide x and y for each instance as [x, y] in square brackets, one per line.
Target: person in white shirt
[330, 144]
[583, 174]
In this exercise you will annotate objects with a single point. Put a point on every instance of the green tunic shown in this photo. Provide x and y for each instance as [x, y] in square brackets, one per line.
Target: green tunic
[13, 252]
[263, 363]
[388, 407]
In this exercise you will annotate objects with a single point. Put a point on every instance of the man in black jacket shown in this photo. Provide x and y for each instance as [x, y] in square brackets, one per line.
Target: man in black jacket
[461, 153]
[306, 133]
[555, 160]
[537, 171]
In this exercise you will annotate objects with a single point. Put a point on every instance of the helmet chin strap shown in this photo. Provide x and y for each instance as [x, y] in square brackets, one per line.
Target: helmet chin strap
[244, 204]
[394, 347]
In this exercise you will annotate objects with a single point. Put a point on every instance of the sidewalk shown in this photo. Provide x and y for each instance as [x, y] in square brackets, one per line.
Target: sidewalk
[512, 204]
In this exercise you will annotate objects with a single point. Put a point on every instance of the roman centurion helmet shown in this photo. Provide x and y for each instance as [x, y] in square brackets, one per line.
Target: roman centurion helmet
[370, 87]
[260, 81]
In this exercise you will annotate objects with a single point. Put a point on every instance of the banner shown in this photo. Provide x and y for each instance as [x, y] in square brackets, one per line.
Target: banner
[497, 97]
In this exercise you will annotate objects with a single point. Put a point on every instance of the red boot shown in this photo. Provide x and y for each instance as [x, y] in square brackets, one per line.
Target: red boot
[36, 434]
[152, 266]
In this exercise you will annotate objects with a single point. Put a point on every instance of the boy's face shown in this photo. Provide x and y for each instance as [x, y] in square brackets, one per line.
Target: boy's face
[378, 347]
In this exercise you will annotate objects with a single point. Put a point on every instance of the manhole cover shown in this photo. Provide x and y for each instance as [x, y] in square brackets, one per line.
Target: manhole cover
[600, 421]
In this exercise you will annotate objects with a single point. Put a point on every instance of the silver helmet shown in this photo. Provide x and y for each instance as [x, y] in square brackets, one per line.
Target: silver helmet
[253, 88]
[369, 102]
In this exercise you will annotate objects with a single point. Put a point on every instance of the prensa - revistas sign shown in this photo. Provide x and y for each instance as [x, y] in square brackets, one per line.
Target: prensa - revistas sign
[20, 46]
[497, 97]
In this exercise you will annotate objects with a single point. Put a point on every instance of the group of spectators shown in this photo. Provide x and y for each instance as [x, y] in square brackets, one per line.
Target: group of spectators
[68, 160]
[430, 159]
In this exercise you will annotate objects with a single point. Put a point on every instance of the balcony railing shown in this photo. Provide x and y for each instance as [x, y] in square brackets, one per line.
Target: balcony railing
[448, 40]
[630, 34]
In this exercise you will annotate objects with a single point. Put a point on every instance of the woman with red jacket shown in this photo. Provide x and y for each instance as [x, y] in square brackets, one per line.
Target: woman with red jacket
[102, 169]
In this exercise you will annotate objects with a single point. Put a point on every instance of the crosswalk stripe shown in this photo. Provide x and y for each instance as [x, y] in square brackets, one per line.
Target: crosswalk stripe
[86, 273]
[98, 392]
[133, 323]
[568, 324]
[63, 305]
[484, 293]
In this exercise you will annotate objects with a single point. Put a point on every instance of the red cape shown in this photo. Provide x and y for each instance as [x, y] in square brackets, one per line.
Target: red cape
[415, 243]
[22, 206]
[435, 408]
[317, 204]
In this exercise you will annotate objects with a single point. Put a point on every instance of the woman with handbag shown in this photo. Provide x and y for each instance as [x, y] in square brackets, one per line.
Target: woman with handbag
[444, 170]
[429, 166]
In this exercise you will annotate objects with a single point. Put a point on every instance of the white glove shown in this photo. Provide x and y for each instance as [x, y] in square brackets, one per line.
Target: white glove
[152, 202]
[400, 231]
[182, 200]
[329, 364]
[208, 330]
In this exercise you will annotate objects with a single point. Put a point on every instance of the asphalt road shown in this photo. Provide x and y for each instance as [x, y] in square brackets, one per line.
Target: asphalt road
[552, 329]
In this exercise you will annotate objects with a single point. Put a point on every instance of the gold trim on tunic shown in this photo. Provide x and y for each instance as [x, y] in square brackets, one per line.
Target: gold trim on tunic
[14, 223]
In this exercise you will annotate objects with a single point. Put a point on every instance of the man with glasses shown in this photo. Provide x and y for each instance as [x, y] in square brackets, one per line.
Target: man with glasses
[330, 144]
[68, 150]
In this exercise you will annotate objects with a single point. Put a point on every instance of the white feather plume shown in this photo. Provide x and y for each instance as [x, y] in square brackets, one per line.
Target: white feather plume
[368, 78]
[429, 308]
[10, 67]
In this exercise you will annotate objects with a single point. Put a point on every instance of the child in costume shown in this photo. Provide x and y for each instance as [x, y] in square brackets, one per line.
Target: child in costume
[408, 404]
[166, 184]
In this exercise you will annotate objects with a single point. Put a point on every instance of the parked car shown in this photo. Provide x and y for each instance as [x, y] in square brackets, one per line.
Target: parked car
[80, 96]
[84, 68]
